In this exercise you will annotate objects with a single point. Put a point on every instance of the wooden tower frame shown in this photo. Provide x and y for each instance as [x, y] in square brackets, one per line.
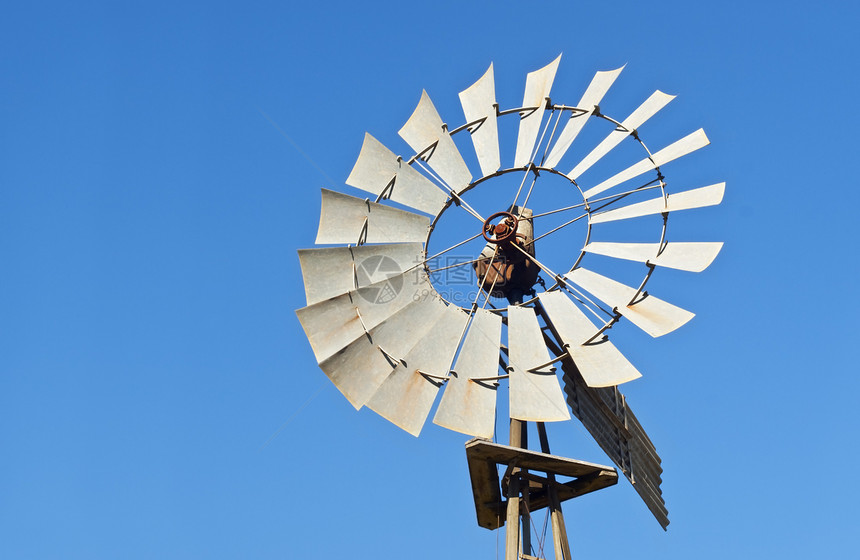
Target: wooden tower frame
[511, 499]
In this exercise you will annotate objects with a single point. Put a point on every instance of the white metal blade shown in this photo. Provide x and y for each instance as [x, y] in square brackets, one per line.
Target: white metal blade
[361, 367]
[599, 361]
[332, 271]
[657, 101]
[654, 316]
[598, 87]
[406, 396]
[346, 219]
[469, 406]
[682, 147]
[479, 103]
[332, 324]
[378, 170]
[689, 256]
[535, 395]
[538, 85]
[686, 200]
[424, 132]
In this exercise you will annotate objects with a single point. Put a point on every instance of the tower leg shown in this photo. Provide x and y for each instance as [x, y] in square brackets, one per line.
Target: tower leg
[519, 438]
[559, 531]
[512, 521]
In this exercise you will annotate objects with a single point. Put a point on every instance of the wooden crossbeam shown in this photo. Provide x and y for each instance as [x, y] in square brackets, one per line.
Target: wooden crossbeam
[491, 506]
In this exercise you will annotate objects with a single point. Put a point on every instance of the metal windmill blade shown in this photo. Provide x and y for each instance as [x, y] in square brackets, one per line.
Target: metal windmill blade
[389, 327]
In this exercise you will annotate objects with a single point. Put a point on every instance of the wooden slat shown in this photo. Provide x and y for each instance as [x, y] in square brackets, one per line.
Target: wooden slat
[531, 460]
[624, 447]
[606, 416]
[628, 447]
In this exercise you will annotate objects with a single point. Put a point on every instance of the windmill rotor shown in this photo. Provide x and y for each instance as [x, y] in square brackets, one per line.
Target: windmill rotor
[392, 330]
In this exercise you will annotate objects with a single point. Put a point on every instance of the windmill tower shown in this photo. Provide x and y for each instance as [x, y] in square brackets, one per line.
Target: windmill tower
[391, 334]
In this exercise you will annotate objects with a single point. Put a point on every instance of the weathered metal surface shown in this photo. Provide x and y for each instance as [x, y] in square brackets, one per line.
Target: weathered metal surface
[689, 256]
[534, 395]
[379, 171]
[599, 361]
[479, 104]
[538, 85]
[469, 406]
[649, 108]
[598, 87]
[334, 271]
[652, 315]
[680, 148]
[685, 200]
[333, 323]
[406, 396]
[360, 368]
[484, 456]
[427, 135]
[347, 219]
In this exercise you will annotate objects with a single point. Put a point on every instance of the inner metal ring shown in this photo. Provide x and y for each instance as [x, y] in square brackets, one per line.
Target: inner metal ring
[587, 208]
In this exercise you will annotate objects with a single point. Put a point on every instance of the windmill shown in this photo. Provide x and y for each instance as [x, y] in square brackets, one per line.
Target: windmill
[389, 328]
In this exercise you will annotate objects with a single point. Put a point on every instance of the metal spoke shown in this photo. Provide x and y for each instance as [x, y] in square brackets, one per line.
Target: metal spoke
[451, 248]
[529, 194]
[616, 197]
[542, 214]
[613, 198]
[458, 200]
[581, 216]
[539, 264]
[542, 134]
[489, 294]
[551, 134]
[525, 175]
[468, 322]
[576, 293]
[531, 165]
[431, 271]
[560, 280]
[477, 235]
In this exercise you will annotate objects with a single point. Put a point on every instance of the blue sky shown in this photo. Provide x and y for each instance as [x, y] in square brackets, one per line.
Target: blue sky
[160, 165]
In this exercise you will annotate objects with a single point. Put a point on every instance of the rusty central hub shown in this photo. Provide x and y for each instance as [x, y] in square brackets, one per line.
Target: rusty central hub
[500, 231]
[504, 267]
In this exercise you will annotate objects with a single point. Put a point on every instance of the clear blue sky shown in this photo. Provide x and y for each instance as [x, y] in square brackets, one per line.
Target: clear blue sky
[160, 164]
